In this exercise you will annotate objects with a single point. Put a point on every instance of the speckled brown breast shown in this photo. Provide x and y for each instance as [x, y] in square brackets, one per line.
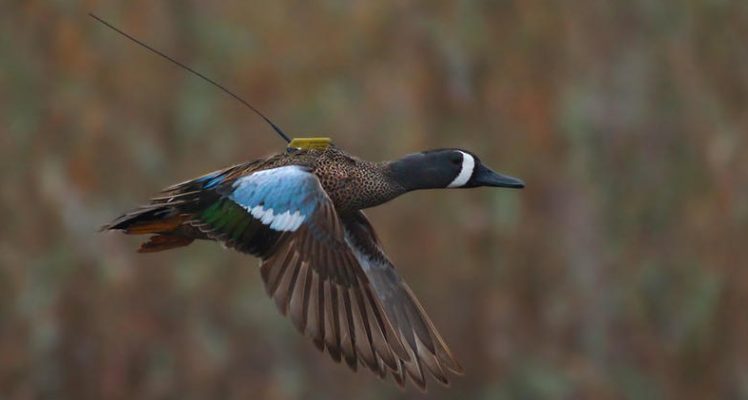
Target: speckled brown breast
[352, 184]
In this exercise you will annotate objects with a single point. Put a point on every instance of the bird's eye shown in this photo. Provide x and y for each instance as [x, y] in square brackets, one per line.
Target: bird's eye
[456, 160]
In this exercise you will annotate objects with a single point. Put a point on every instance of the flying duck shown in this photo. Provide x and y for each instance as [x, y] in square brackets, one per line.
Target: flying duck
[300, 213]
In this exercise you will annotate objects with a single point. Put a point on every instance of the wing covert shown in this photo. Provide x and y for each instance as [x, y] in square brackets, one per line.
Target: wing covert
[251, 213]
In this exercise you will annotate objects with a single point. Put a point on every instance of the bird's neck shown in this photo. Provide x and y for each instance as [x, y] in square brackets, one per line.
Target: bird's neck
[409, 174]
[377, 185]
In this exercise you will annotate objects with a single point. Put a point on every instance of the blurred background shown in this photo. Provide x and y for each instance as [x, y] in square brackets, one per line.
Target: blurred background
[620, 272]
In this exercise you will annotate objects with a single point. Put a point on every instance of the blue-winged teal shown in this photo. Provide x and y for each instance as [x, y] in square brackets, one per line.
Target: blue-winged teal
[300, 213]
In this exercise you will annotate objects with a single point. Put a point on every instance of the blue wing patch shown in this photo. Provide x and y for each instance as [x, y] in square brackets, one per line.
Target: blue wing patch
[282, 198]
[211, 180]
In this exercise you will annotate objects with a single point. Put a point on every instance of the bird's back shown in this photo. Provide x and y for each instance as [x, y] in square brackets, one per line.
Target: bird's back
[352, 183]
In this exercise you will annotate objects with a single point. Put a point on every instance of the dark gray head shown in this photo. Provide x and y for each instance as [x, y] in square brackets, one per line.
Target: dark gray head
[447, 168]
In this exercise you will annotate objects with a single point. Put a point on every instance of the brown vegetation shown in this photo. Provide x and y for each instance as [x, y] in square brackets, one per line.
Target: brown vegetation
[621, 271]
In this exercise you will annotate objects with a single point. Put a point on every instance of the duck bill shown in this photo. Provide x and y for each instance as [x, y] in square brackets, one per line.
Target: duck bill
[485, 177]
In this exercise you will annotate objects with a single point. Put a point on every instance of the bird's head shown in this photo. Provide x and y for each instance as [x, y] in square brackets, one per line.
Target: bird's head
[447, 168]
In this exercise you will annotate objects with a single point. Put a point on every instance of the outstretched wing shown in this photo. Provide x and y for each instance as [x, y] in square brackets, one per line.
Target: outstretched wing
[337, 286]
[424, 345]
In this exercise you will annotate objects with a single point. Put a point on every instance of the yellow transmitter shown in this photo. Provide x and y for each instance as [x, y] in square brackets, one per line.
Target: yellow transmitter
[312, 143]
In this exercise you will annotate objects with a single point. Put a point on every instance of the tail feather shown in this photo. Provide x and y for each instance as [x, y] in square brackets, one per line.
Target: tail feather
[154, 226]
[165, 222]
[167, 216]
[164, 242]
[145, 219]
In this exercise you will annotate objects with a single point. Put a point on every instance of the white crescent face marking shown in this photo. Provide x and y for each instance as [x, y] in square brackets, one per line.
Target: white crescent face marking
[468, 164]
